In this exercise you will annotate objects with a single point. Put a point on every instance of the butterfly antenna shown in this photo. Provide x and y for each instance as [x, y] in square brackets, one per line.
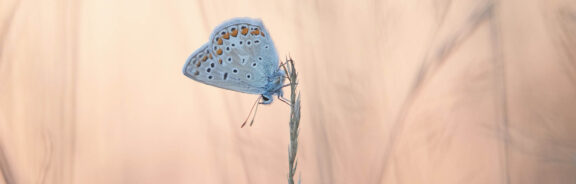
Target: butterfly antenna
[255, 111]
[255, 105]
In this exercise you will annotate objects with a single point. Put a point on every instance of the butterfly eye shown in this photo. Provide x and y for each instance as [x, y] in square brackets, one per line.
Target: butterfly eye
[233, 45]
[208, 70]
[266, 46]
[225, 76]
[253, 64]
[223, 32]
[210, 77]
[212, 65]
[229, 59]
[227, 48]
[260, 58]
[256, 41]
[248, 76]
[240, 42]
[235, 70]
[248, 43]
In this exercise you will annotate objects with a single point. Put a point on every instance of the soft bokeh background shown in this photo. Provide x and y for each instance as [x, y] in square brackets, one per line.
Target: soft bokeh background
[394, 91]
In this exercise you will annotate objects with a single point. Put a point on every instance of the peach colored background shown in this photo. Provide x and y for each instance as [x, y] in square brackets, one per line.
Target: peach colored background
[403, 91]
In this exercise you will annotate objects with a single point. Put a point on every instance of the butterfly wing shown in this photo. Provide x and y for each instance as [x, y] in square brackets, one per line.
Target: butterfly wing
[240, 56]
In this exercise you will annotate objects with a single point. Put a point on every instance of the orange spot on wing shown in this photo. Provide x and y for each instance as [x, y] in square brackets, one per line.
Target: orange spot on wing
[198, 64]
[226, 36]
[220, 41]
[262, 33]
[219, 51]
[196, 73]
[220, 61]
[204, 58]
[210, 56]
[235, 32]
[244, 31]
[255, 32]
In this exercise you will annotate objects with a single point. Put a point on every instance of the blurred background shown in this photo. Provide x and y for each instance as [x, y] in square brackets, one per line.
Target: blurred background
[393, 91]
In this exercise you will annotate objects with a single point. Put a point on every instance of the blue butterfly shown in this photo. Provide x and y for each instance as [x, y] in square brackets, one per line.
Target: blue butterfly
[240, 56]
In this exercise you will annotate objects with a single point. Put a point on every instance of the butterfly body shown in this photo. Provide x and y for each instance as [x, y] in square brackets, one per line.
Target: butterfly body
[240, 56]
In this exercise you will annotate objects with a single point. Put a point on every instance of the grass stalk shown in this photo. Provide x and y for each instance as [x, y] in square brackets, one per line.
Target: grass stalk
[294, 119]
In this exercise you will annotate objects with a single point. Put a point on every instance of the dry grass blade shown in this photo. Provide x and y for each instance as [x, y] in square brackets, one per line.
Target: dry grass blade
[294, 119]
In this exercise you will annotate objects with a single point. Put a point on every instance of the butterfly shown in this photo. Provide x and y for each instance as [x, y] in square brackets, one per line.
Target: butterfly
[240, 56]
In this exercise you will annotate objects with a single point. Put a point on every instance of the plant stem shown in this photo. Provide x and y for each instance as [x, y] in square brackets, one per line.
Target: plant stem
[294, 119]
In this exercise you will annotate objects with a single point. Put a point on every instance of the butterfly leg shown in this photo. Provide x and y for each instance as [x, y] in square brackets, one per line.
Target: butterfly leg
[281, 98]
[286, 85]
[287, 71]
[283, 65]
